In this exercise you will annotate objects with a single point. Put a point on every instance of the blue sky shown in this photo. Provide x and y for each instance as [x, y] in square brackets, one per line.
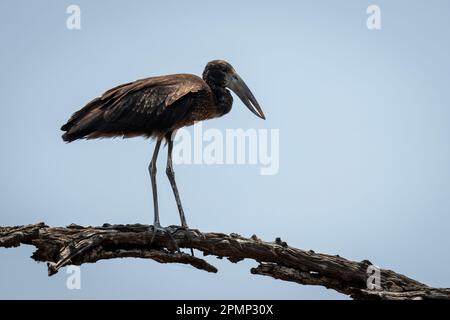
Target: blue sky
[363, 119]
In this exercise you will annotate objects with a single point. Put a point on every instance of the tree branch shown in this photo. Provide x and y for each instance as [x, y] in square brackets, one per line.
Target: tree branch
[75, 245]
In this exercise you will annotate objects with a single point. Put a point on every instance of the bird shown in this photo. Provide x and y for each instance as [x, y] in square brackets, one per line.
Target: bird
[156, 107]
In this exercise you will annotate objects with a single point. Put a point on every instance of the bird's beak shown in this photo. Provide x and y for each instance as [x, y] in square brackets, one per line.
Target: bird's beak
[238, 86]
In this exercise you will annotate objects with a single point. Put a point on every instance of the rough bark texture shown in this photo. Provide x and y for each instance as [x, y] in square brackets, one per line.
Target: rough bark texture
[75, 245]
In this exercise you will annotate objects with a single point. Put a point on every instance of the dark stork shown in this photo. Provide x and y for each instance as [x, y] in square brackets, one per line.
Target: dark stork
[156, 107]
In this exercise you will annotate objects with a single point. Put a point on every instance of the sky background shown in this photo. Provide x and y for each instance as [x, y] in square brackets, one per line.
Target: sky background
[364, 137]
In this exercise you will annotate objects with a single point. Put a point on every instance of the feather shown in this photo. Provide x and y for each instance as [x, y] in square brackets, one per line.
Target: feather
[144, 107]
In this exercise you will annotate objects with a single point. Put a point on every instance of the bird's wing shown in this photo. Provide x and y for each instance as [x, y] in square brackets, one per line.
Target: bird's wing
[148, 98]
[148, 105]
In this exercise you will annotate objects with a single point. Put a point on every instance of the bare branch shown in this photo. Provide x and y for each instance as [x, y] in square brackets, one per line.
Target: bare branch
[75, 245]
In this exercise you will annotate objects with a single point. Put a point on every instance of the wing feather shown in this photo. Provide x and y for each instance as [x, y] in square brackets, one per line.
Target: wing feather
[149, 96]
[139, 107]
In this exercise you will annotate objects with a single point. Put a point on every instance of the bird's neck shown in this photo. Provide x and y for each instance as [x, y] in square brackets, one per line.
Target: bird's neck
[224, 100]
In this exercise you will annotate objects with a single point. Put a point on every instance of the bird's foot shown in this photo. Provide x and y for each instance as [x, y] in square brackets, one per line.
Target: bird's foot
[187, 233]
[167, 230]
[186, 229]
[179, 228]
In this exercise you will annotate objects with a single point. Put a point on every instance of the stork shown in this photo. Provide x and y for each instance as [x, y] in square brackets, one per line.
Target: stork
[156, 107]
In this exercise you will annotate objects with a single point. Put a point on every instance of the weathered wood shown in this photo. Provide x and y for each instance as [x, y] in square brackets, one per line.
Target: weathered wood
[75, 245]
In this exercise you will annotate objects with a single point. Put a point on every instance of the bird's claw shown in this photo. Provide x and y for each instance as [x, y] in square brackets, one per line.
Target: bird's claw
[179, 228]
[171, 231]
[185, 228]
[168, 230]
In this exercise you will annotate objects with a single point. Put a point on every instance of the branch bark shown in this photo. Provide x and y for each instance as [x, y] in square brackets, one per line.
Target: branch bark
[75, 245]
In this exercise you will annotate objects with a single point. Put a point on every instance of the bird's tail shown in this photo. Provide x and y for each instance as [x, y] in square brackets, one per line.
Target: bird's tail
[80, 123]
[67, 137]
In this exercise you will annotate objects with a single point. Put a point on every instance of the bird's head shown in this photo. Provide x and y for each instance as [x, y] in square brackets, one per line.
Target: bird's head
[220, 73]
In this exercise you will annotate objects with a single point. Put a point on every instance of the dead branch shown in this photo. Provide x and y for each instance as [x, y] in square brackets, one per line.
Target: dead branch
[75, 245]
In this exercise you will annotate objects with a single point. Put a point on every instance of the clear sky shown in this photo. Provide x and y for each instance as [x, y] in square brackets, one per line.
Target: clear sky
[363, 118]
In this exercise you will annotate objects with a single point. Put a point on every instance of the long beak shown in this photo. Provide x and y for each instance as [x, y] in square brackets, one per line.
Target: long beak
[238, 86]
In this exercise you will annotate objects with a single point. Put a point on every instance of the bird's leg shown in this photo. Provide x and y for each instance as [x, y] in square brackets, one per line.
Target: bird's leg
[171, 175]
[152, 171]
[156, 223]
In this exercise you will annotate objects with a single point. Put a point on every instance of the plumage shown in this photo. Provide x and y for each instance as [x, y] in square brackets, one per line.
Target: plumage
[158, 106]
[148, 107]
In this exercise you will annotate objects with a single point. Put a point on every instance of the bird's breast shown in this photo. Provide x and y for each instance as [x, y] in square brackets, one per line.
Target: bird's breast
[200, 112]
